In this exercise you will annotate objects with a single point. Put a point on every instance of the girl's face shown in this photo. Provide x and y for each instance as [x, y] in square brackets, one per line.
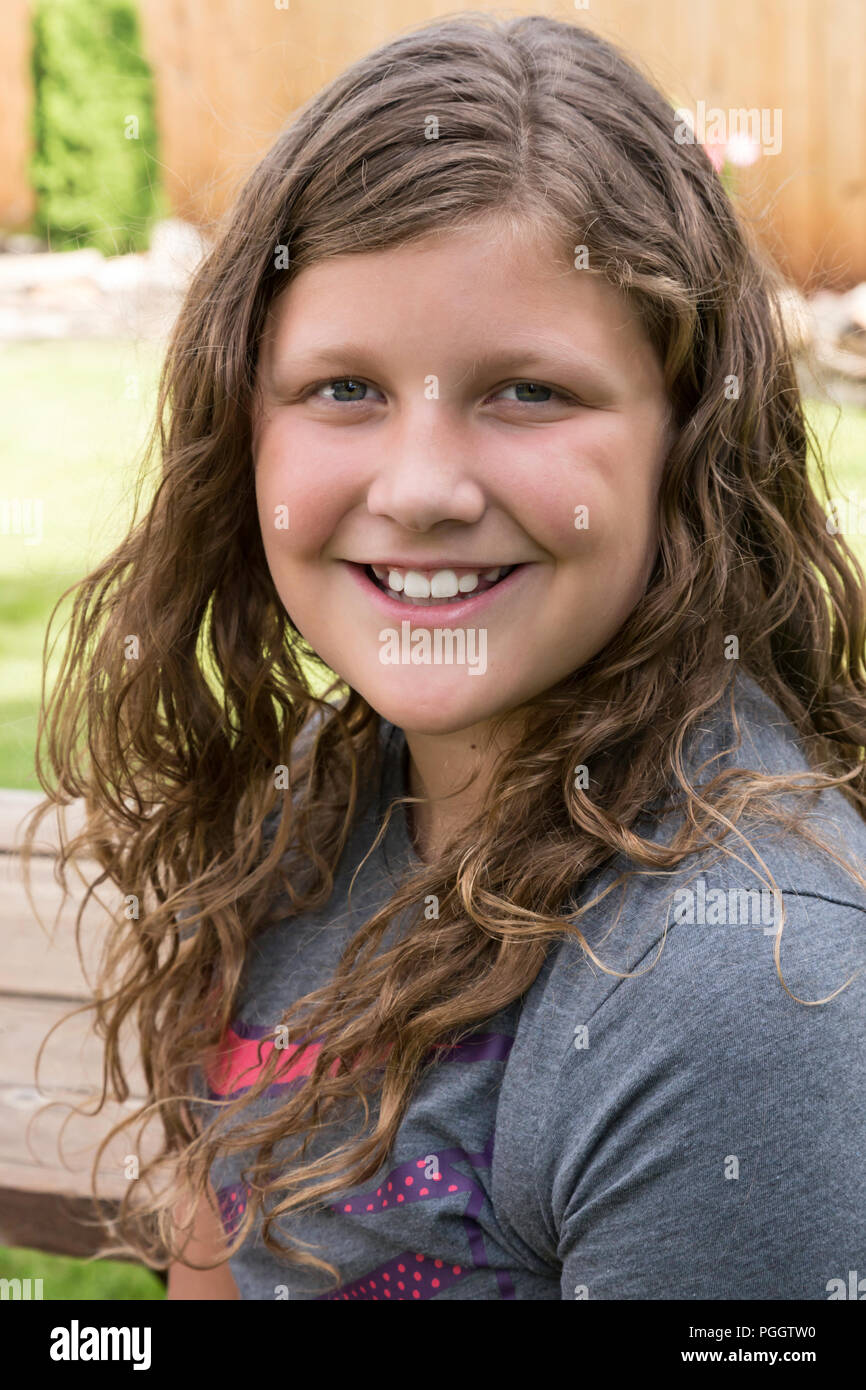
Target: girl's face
[450, 407]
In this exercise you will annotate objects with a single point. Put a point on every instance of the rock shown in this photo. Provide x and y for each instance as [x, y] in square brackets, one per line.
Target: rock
[829, 315]
[119, 273]
[855, 306]
[797, 319]
[176, 248]
[83, 294]
[20, 243]
[852, 338]
[25, 271]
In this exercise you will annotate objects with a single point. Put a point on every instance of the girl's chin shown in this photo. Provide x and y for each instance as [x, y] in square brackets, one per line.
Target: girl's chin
[418, 702]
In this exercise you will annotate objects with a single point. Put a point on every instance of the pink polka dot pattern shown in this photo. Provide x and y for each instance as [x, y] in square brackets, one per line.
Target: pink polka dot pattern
[431, 1178]
[232, 1202]
[415, 1181]
[410, 1275]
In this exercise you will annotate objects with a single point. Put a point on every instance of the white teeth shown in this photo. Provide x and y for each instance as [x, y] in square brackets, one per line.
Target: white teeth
[443, 584]
[415, 585]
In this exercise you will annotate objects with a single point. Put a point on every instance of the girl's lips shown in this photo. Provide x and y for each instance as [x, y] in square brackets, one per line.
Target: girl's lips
[434, 614]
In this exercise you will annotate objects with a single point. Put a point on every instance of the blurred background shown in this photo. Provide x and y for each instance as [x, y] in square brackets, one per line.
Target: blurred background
[126, 129]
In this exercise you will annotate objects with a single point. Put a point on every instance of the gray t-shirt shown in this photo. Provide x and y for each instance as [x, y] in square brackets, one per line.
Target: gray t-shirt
[692, 1132]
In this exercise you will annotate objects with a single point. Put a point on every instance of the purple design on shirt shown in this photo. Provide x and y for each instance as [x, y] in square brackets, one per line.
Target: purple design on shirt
[232, 1201]
[414, 1182]
[480, 1047]
[410, 1275]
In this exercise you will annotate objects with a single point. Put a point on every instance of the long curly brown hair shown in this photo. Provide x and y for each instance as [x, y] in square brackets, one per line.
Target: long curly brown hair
[543, 124]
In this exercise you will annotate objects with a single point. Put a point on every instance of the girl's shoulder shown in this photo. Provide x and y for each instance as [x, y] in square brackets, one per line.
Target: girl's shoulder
[675, 1061]
[750, 731]
[699, 941]
[753, 734]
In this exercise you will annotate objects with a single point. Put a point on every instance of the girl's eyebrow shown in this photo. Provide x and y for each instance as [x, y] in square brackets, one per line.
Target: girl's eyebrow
[560, 357]
[336, 355]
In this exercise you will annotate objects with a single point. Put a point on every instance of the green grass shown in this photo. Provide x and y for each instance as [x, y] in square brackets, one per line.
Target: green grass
[73, 419]
[64, 1278]
[842, 434]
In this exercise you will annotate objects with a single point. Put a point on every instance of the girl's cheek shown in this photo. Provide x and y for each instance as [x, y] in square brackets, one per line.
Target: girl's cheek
[605, 489]
[567, 502]
[299, 507]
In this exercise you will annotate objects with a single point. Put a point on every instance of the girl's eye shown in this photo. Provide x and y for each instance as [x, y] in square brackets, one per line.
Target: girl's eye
[346, 389]
[532, 390]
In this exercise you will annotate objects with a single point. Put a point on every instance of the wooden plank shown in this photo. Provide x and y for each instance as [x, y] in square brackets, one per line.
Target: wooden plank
[844, 71]
[16, 108]
[46, 1159]
[228, 77]
[39, 949]
[39, 952]
[57, 1222]
[46, 1148]
[54, 1147]
[53, 1222]
[72, 1056]
[52, 1179]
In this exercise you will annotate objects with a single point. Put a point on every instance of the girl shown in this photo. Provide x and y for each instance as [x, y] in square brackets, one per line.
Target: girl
[476, 717]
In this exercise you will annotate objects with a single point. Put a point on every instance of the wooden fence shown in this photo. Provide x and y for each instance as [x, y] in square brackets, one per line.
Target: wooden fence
[230, 72]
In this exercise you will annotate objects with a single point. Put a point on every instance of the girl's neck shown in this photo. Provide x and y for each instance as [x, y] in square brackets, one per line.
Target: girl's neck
[450, 773]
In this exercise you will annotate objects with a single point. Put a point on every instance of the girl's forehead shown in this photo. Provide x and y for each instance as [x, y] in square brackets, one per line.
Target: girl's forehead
[480, 279]
[493, 240]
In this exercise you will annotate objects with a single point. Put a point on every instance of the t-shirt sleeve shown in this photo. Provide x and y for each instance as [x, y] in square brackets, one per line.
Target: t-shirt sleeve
[705, 1137]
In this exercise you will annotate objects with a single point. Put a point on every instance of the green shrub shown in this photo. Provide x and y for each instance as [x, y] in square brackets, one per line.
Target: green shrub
[94, 169]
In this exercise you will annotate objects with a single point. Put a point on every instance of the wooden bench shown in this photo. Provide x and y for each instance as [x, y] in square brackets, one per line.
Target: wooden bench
[45, 1197]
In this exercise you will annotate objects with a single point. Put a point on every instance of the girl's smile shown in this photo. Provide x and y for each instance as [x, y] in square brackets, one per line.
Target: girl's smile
[429, 610]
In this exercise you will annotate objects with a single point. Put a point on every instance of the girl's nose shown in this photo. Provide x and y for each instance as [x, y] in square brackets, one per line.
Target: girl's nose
[427, 476]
